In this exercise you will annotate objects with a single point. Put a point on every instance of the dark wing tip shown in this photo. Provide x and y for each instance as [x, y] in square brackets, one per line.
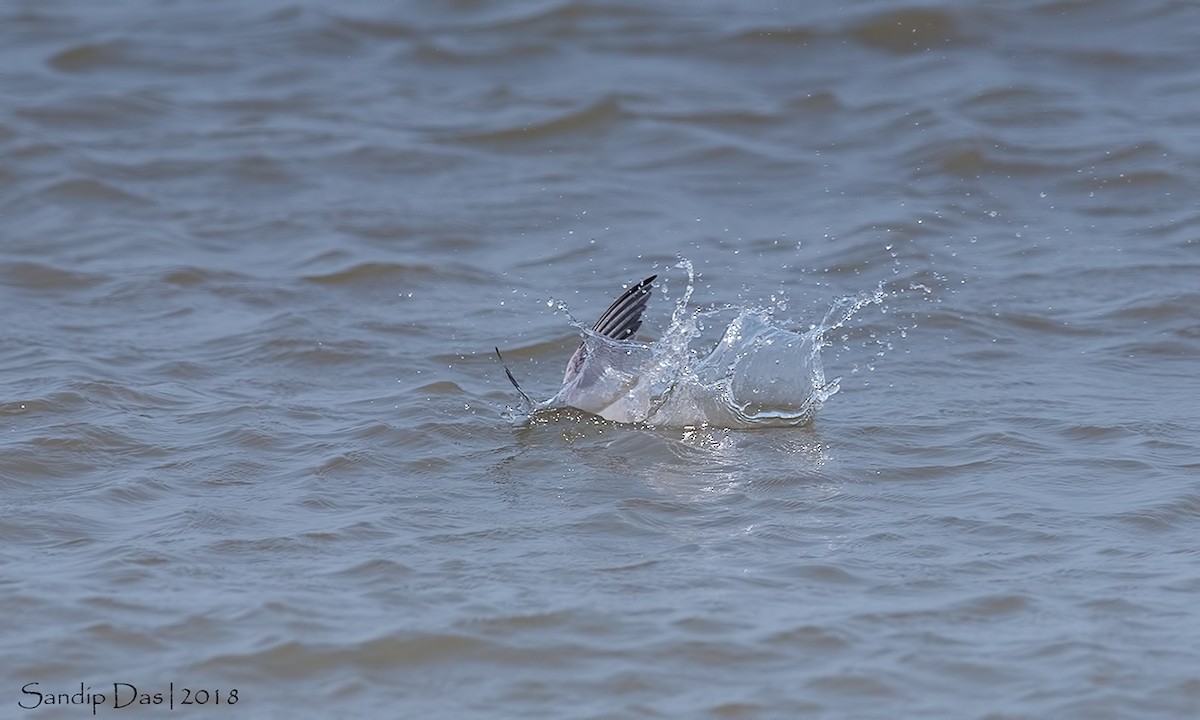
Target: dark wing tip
[623, 318]
[513, 380]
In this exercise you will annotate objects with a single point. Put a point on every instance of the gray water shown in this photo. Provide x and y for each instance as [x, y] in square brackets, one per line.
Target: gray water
[255, 257]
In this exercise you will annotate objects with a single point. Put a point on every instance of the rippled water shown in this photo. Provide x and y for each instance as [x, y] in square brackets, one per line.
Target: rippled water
[256, 257]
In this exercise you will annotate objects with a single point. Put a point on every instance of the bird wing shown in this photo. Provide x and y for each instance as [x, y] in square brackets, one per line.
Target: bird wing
[619, 322]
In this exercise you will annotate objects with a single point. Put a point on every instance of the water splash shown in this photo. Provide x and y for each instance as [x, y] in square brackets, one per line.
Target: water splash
[732, 367]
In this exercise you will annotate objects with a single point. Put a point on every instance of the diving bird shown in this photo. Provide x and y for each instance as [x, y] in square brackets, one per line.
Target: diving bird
[602, 373]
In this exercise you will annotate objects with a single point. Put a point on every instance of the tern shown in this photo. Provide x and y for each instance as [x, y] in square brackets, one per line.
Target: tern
[603, 371]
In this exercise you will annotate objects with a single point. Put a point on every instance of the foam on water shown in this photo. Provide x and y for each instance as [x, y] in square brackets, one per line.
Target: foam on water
[733, 367]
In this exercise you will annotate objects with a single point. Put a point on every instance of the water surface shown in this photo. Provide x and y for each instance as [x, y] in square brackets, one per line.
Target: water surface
[255, 259]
